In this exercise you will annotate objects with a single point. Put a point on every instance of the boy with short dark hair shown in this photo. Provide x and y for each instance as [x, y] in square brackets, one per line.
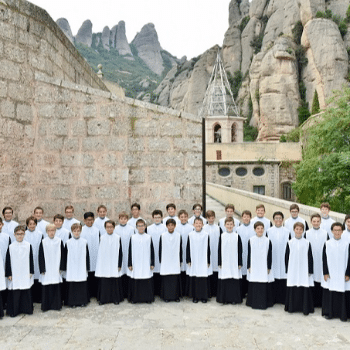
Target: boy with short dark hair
[259, 264]
[92, 236]
[62, 233]
[155, 231]
[41, 223]
[19, 271]
[9, 224]
[229, 211]
[299, 269]
[326, 220]
[336, 271]
[124, 231]
[69, 220]
[317, 238]
[170, 259]
[230, 265]
[184, 229]
[294, 217]
[279, 237]
[214, 233]
[34, 237]
[141, 265]
[260, 216]
[135, 215]
[5, 241]
[77, 267]
[197, 213]
[99, 223]
[171, 209]
[346, 232]
[51, 265]
[245, 231]
[109, 264]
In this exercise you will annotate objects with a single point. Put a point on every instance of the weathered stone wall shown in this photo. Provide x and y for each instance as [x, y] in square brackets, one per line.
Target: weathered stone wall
[78, 145]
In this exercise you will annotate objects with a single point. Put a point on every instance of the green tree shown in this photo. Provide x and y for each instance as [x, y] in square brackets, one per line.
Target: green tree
[324, 172]
[315, 104]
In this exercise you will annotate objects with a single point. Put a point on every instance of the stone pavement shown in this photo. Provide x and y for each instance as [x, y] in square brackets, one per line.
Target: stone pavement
[181, 325]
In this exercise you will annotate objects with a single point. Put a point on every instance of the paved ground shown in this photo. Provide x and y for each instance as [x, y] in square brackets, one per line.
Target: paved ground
[181, 325]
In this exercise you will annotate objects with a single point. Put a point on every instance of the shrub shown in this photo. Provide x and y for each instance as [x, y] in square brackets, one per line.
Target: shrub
[244, 23]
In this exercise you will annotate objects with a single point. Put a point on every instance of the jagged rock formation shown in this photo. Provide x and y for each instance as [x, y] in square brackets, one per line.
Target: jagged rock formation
[121, 42]
[260, 43]
[65, 27]
[106, 34]
[148, 47]
[84, 35]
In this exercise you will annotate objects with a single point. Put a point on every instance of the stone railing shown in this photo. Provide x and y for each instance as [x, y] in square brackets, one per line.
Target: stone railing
[244, 200]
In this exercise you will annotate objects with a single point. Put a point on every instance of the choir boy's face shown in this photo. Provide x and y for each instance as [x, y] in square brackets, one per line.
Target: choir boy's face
[1, 225]
[58, 223]
[347, 223]
[69, 213]
[229, 226]
[294, 213]
[316, 222]
[171, 211]
[89, 221]
[259, 231]
[102, 212]
[76, 232]
[157, 219]
[246, 219]
[51, 232]
[183, 218]
[211, 220]
[31, 225]
[109, 228]
[260, 212]
[38, 214]
[229, 212]
[198, 225]
[278, 220]
[123, 220]
[19, 235]
[8, 214]
[170, 227]
[135, 212]
[324, 211]
[141, 228]
[298, 231]
[337, 232]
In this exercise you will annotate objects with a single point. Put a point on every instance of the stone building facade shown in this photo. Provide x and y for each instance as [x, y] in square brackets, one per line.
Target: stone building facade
[65, 139]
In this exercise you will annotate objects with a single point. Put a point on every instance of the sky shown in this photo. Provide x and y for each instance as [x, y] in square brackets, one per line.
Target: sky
[184, 27]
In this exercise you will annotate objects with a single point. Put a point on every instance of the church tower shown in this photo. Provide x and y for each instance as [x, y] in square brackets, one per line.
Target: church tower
[222, 121]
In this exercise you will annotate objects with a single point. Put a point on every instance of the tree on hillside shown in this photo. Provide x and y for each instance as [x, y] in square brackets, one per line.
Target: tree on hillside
[324, 172]
[315, 104]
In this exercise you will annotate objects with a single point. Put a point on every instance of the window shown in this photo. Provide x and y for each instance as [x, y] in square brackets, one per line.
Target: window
[224, 172]
[217, 133]
[218, 155]
[258, 171]
[241, 171]
[234, 132]
[287, 191]
[259, 190]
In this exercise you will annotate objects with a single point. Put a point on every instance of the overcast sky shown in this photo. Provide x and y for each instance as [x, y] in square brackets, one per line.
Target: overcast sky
[184, 27]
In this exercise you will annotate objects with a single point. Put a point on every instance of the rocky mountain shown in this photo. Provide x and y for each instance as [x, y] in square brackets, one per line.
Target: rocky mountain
[278, 54]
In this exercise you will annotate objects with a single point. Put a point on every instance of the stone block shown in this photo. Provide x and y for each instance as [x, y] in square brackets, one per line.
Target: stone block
[122, 127]
[135, 144]
[107, 192]
[71, 145]
[83, 192]
[192, 176]
[89, 111]
[120, 175]
[193, 160]
[14, 53]
[46, 110]
[171, 159]
[29, 131]
[71, 160]
[99, 127]
[24, 113]
[3, 88]
[108, 160]
[64, 111]
[116, 144]
[48, 177]
[58, 127]
[159, 144]
[193, 129]
[62, 192]
[70, 176]
[9, 70]
[136, 176]
[96, 177]
[78, 128]
[88, 160]
[172, 127]
[149, 160]
[28, 40]
[7, 109]
[160, 176]
[7, 31]
[53, 143]
[93, 144]
[146, 127]
[37, 60]
[20, 92]
[187, 144]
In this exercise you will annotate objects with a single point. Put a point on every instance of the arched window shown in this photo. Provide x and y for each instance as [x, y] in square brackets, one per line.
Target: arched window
[234, 132]
[217, 133]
